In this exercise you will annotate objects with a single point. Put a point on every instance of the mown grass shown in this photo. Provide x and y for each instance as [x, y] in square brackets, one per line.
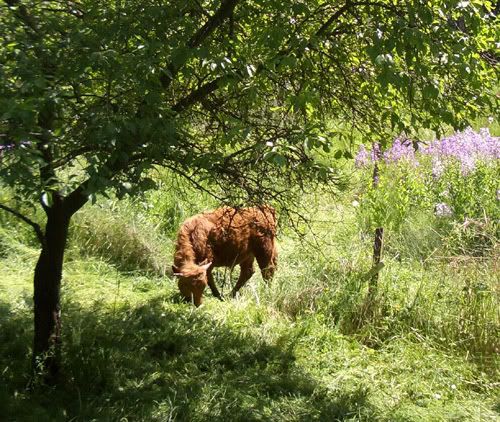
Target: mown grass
[305, 348]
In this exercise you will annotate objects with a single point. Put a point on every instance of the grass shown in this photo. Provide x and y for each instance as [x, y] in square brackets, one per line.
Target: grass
[302, 349]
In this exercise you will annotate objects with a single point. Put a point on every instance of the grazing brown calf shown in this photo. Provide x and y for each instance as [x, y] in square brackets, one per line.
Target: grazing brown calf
[225, 237]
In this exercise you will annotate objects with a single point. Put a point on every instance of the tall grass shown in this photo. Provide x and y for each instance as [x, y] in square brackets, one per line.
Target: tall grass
[448, 303]
[303, 348]
[120, 235]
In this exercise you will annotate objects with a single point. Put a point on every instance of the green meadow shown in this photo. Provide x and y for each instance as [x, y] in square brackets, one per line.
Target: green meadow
[310, 346]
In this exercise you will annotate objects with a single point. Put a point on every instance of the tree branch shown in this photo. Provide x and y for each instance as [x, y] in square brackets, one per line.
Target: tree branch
[199, 94]
[332, 19]
[72, 155]
[78, 197]
[225, 10]
[192, 181]
[206, 89]
[36, 227]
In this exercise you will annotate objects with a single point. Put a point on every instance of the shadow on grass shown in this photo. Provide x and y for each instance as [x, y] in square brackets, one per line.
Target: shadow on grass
[161, 361]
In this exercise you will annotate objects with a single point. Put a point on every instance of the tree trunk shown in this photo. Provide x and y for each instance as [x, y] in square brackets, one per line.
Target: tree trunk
[47, 284]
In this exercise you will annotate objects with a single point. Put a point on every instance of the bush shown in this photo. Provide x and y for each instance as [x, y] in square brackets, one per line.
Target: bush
[454, 178]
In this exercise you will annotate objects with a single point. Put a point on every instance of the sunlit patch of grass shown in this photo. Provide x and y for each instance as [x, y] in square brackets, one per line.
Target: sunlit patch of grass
[303, 348]
[121, 236]
[131, 351]
[406, 379]
[153, 357]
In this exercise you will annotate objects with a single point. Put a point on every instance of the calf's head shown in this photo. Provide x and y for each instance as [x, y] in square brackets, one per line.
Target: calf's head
[192, 280]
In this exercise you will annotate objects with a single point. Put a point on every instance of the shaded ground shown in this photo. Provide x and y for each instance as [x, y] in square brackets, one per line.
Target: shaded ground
[133, 352]
[153, 363]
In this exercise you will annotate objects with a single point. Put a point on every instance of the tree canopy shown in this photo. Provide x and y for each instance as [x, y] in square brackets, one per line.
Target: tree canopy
[95, 93]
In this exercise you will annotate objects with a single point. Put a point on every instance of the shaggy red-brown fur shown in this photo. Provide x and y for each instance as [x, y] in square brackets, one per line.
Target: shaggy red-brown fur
[225, 237]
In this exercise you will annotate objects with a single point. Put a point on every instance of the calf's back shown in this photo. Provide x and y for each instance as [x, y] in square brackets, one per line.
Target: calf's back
[226, 236]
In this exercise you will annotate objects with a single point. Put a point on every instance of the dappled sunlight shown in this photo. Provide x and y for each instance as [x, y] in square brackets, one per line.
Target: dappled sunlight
[158, 358]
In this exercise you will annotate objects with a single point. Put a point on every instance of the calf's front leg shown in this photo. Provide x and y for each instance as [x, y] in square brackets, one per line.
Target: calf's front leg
[213, 287]
[245, 274]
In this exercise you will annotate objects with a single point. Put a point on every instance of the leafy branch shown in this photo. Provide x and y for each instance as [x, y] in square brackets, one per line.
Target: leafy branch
[35, 226]
[225, 10]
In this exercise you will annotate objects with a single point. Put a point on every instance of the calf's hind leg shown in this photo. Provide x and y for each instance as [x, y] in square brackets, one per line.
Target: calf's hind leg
[246, 271]
[267, 258]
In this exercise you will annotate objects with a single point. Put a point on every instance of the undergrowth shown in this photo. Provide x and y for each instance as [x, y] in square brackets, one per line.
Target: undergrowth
[307, 347]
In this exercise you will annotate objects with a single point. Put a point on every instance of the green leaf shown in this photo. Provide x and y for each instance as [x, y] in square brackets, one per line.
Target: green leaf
[279, 159]
[180, 56]
[47, 199]
[430, 91]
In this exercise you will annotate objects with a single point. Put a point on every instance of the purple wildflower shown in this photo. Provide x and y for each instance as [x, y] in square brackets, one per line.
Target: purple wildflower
[467, 164]
[466, 147]
[401, 149]
[442, 210]
[437, 167]
[362, 157]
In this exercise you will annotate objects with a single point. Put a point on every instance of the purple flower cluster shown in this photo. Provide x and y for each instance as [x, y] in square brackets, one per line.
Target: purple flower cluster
[442, 209]
[365, 157]
[466, 147]
[401, 149]
[362, 157]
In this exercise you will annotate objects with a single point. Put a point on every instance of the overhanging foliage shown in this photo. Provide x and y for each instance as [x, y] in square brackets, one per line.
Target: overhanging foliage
[240, 93]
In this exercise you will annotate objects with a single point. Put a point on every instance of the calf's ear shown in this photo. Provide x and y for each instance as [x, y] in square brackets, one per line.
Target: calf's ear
[205, 267]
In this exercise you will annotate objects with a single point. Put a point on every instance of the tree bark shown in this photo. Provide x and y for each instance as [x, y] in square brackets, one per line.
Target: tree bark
[47, 284]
